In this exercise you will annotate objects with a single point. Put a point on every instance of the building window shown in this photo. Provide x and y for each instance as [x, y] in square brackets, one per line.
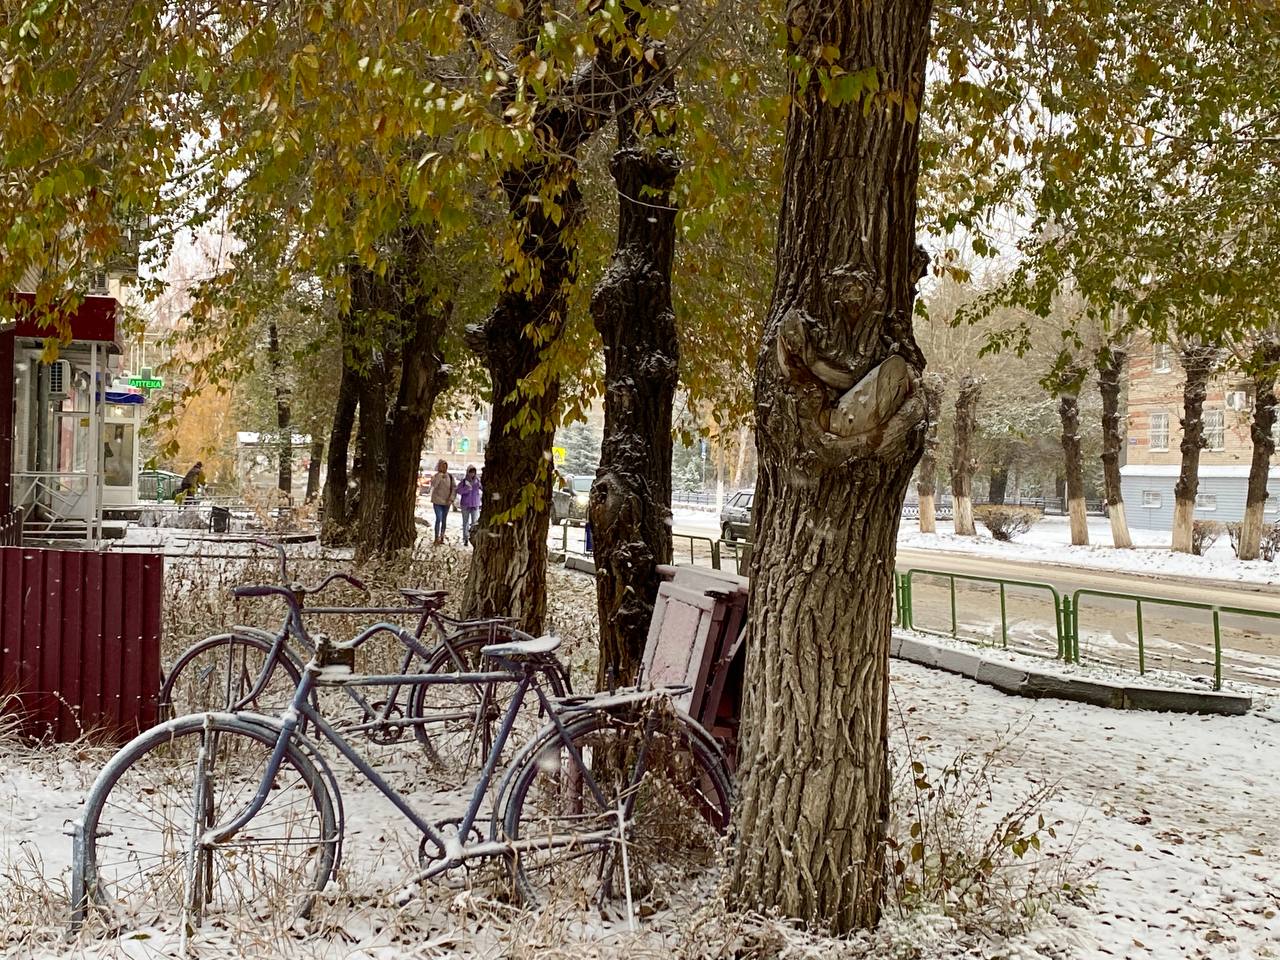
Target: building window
[1161, 358]
[1206, 501]
[1158, 438]
[1151, 499]
[1215, 429]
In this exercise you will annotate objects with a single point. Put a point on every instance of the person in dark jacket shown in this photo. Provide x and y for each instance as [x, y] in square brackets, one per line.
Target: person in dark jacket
[470, 491]
[191, 482]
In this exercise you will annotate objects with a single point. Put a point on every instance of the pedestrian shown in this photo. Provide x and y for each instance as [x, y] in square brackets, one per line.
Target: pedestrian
[442, 491]
[190, 483]
[469, 493]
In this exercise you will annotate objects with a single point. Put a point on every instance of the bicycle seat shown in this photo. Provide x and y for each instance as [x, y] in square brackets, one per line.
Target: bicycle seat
[522, 648]
[427, 598]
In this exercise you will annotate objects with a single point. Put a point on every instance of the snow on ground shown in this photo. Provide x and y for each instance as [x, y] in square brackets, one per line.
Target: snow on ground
[1049, 541]
[1167, 827]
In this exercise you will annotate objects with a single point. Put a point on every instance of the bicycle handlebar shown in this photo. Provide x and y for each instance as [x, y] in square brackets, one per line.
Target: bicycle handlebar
[279, 549]
[346, 577]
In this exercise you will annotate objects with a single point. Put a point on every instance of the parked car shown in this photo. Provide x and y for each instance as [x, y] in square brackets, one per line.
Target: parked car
[571, 498]
[158, 485]
[737, 519]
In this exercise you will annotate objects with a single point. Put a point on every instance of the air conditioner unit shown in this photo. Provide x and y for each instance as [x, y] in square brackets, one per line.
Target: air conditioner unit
[1237, 400]
[59, 379]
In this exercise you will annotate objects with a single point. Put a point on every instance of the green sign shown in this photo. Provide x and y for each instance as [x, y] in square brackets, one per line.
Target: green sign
[146, 383]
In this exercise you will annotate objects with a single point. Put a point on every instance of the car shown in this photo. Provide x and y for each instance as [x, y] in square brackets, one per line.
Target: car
[158, 485]
[571, 498]
[737, 519]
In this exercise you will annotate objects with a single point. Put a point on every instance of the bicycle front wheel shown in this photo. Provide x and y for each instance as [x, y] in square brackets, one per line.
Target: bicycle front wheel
[220, 672]
[148, 859]
[642, 815]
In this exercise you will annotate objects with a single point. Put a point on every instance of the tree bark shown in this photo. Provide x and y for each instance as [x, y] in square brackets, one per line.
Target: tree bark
[313, 467]
[840, 425]
[630, 499]
[963, 461]
[371, 466]
[1197, 364]
[1073, 464]
[927, 483]
[335, 526]
[284, 434]
[1261, 430]
[423, 375]
[507, 576]
[1111, 364]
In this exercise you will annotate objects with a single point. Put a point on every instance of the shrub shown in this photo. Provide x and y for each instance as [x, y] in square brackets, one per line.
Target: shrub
[1005, 523]
[1268, 542]
[1204, 534]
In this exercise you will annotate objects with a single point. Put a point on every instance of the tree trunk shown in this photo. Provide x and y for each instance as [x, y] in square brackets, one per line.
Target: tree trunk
[963, 461]
[313, 466]
[1264, 448]
[1111, 364]
[371, 467]
[1197, 365]
[508, 575]
[1073, 463]
[927, 483]
[423, 375]
[631, 497]
[998, 489]
[840, 425]
[335, 526]
[744, 439]
[284, 434]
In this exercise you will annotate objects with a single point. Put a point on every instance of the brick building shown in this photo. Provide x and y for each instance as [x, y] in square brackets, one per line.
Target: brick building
[1153, 458]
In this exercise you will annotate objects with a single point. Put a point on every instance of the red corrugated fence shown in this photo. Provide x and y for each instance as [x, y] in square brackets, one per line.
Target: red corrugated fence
[80, 639]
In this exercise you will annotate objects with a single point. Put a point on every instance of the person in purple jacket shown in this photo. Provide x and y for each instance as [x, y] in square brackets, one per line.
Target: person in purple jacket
[469, 492]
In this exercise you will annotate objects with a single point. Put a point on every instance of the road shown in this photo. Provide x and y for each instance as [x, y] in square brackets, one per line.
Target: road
[1175, 638]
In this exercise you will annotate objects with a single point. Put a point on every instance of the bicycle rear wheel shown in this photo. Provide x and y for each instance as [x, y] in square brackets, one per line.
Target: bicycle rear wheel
[146, 860]
[458, 722]
[219, 673]
[658, 823]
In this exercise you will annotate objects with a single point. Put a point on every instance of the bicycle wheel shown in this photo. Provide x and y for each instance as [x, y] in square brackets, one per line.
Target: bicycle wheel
[146, 862]
[658, 823]
[458, 722]
[219, 673]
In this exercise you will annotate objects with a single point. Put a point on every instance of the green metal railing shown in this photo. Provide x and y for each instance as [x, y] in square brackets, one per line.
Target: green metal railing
[1066, 610]
[906, 617]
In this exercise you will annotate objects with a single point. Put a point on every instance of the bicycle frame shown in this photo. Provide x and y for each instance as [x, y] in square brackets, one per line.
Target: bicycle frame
[454, 849]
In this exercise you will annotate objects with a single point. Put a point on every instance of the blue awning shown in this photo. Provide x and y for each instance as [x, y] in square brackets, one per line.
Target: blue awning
[114, 396]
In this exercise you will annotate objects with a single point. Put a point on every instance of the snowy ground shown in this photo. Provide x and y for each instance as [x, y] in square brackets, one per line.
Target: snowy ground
[1167, 826]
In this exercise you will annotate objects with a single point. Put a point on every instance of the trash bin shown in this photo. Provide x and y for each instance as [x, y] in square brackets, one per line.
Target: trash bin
[220, 520]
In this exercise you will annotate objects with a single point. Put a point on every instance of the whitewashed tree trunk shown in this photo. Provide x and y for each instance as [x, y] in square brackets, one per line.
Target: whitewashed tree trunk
[1197, 364]
[963, 462]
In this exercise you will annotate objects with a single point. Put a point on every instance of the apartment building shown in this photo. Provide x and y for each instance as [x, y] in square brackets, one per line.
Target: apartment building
[1153, 458]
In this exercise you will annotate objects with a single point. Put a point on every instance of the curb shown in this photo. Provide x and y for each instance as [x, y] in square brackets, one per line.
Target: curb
[1024, 682]
[581, 564]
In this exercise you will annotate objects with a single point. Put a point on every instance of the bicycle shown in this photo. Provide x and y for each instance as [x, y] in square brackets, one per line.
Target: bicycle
[616, 797]
[253, 668]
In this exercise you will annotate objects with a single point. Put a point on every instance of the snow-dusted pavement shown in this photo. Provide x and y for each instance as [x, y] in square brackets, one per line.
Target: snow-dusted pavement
[1170, 821]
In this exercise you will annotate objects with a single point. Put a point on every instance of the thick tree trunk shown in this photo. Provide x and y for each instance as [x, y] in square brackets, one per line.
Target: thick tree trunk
[927, 481]
[1264, 448]
[1197, 364]
[840, 425]
[508, 575]
[335, 526]
[743, 441]
[1073, 463]
[963, 461]
[284, 414]
[423, 375]
[314, 465]
[1111, 364]
[631, 497]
